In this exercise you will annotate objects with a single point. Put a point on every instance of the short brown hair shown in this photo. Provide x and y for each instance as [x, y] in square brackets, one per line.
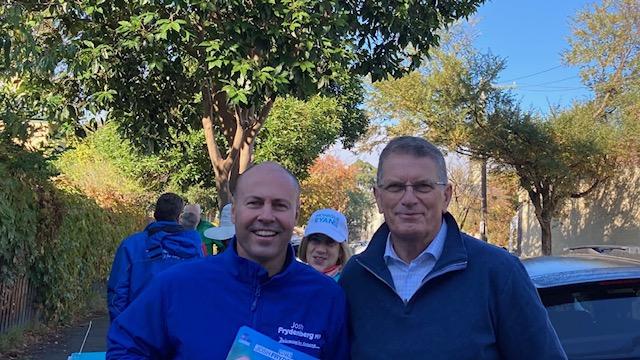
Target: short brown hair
[343, 257]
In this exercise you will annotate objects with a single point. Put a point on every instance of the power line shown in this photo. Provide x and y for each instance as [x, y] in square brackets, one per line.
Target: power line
[534, 74]
[553, 90]
[553, 87]
[550, 82]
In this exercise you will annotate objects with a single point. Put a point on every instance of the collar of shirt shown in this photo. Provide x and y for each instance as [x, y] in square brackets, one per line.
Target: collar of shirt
[407, 278]
[434, 250]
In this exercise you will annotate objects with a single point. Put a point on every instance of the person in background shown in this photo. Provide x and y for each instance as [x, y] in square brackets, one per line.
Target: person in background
[202, 225]
[142, 255]
[324, 245]
[217, 238]
[189, 219]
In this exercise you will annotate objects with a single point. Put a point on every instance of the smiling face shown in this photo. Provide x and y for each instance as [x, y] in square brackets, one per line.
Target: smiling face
[412, 215]
[265, 210]
[322, 252]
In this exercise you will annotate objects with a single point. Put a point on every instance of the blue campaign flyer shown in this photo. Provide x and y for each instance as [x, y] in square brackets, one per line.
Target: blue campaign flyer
[252, 345]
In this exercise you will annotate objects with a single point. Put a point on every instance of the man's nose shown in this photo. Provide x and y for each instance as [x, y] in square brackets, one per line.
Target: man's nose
[409, 197]
[266, 214]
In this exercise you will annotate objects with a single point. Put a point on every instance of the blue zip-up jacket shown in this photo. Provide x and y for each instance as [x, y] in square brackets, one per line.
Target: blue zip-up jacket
[194, 310]
[140, 256]
[477, 303]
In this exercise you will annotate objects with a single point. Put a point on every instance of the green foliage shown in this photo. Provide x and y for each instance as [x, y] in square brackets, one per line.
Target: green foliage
[297, 131]
[18, 220]
[453, 103]
[361, 205]
[605, 44]
[185, 163]
[165, 68]
[61, 239]
[20, 173]
[78, 252]
[30, 51]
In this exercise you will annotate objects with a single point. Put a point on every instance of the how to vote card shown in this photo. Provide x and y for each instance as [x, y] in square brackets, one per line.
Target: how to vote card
[252, 345]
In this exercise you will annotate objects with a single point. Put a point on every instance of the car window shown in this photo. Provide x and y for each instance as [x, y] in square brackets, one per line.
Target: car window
[597, 318]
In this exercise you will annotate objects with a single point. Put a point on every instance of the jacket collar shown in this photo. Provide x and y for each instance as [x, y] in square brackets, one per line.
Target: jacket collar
[454, 251]
[169, 237]
[249, 271]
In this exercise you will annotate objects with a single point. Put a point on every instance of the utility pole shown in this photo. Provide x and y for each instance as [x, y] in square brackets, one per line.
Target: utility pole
[483, 190]
[483, 174]
[484, 209]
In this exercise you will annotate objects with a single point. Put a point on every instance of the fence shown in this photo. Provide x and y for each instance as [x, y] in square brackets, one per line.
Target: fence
[17, 304]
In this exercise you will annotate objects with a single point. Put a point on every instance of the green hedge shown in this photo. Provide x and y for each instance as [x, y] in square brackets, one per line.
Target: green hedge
[77, 254]
[63, 240]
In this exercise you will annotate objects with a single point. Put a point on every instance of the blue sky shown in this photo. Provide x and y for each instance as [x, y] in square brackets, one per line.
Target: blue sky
[532, 35]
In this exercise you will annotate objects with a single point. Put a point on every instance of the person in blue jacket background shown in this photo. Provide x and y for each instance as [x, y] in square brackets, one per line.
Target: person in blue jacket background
[424, 290]
[194, 310]
[162, 244]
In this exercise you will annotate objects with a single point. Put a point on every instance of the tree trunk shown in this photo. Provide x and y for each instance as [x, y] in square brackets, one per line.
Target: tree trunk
[240, 127]
[545, 226]
[221, 166]
[544, 207]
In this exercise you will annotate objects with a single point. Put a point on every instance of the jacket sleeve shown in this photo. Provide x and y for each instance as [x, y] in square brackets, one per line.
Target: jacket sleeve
[524, 330]
[140, 332]
[118, 284]
[337, 344]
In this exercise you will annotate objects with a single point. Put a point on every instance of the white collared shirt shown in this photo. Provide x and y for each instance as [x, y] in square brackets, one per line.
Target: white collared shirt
[407, 278]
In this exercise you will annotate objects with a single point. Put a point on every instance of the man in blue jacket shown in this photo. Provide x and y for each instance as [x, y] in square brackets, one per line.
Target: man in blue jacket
[162, 244]
[424, 290]
[194, 310]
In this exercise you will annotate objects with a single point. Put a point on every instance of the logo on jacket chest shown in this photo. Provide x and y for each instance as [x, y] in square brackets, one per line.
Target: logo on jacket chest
[295, 334]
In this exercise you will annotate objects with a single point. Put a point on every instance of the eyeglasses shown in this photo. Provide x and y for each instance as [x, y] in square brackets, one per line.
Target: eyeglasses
[418, 188]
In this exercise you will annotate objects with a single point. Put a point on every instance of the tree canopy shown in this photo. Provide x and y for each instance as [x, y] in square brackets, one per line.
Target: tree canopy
[161, 67]
[605, 44]
[454, 103]
[346, 188]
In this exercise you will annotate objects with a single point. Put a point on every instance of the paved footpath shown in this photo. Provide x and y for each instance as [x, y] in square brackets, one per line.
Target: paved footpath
[70, 340]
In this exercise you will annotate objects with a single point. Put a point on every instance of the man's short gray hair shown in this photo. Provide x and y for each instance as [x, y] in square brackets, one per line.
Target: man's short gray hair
[415, 146]
[189, 220]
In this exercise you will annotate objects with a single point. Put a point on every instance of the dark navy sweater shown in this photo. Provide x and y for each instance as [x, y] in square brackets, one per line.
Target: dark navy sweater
[477, 303]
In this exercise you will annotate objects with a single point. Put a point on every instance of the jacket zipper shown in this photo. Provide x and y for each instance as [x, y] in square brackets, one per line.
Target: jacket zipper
[254, 306]
[379, 277]
[452, 267]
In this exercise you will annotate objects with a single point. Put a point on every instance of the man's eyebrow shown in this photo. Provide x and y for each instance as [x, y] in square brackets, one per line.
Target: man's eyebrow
[281, 200]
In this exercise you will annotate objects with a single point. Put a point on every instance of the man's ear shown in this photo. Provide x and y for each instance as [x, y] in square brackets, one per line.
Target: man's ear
[233, 209]
[377, 195]
[448, 193]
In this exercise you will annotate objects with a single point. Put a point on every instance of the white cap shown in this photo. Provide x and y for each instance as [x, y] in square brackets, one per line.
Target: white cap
[328, 222]
[226, 228]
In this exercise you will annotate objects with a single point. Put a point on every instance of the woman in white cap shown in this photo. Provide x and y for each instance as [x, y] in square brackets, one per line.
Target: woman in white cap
[217, 238]
[324, 245]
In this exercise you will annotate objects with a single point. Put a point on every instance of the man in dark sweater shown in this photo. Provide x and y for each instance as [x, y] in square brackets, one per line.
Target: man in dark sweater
[424, 290]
